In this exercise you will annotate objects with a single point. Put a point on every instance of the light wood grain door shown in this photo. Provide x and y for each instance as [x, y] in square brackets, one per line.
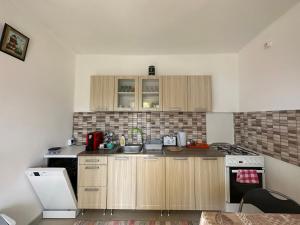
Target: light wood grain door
[92, 175]
[151, 183]
[180, 183]
[175, 93]
[210, 183]
[102, 93]
[150, 93]
[121, 193]
[92, 197]
[126, 93]
[199, 94]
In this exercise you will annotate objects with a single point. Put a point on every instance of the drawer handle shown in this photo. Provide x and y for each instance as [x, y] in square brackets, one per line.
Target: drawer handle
[181, 158]
[121, 158]
[92, 167]
[91, 189]
[92, 160]
[210, 159]
[151, 158]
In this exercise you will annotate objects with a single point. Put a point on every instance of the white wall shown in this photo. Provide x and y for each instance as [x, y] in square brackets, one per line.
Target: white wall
[219, 127]
[36, 105]
[269, 79]
[223, 68]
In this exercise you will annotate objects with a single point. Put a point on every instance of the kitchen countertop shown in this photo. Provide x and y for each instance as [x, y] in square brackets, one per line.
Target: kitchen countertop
[185, 152]
[66, 152]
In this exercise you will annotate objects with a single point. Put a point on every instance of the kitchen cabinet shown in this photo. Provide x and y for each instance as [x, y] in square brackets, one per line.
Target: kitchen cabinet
[102, 93]
[175, 93]
[151, 183]
[199, 94]
[126, 93]
[121, 182]
[209, 183]
[180, 183]
[150, 93]
[92, 182]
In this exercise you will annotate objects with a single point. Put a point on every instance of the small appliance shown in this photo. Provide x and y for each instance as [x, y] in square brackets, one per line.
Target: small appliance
[93, 140]
[181, 139]
[169, 140]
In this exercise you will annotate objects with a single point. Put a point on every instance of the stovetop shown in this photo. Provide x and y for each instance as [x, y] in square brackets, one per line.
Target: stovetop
[229, 149]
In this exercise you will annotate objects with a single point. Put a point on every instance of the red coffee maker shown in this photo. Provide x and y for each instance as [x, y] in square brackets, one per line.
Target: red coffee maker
[93, 140]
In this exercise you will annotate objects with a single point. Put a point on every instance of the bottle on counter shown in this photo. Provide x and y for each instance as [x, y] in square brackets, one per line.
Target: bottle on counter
[122, 140]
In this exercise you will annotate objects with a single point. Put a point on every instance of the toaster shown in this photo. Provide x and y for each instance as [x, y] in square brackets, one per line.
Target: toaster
[169, 140]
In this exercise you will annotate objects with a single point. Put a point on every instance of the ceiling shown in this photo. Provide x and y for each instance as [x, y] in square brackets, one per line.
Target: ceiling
[155, 26]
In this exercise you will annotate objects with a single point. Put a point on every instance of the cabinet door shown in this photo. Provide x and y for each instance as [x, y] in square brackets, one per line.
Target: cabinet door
[150, 94]
[210, 183]
[151, 186]
[102, 93]
[92, 175]
[126, 94]
[92, 197]
[175, 93]
[180, 183]
[199, 94]
[121, 193]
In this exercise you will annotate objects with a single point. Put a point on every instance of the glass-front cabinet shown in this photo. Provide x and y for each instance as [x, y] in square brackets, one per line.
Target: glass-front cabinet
[150, 94]
[126, 93]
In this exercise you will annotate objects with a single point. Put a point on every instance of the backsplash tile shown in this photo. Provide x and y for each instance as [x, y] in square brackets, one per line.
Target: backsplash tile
[273, 133]
[154, 124]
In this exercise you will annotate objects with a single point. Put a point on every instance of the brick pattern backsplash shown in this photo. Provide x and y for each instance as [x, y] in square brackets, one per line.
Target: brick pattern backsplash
[273, 133]
[154, 124]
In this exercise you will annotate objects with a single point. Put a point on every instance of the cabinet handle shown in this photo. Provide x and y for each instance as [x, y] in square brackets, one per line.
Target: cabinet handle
[150, 158]
[175, 108]
[92, 167]
[209, 159]
[181, 158]
[92, 160]
[121, 158]
[91, 189]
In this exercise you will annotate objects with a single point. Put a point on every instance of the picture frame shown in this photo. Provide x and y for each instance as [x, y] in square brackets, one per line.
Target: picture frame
[14, 43]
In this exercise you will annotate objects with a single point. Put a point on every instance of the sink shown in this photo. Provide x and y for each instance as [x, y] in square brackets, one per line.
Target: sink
[131, 149]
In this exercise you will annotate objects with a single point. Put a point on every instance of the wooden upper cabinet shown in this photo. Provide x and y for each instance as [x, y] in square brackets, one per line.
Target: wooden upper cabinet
[126, 93]
[175, 93]
[209, 183]
[180, 183]
[151, 183]
[199, 94]
[150, 93]
[102, 93]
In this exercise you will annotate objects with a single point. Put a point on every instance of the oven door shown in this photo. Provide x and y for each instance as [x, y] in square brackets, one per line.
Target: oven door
[238, 190]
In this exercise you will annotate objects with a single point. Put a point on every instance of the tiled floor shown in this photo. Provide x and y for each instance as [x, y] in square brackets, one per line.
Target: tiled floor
[126, 215]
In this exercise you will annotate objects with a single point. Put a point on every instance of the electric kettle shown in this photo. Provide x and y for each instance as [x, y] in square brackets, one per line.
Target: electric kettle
[181, 139]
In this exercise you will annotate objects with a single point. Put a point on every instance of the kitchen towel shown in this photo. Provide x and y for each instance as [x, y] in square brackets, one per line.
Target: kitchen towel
[247, 177]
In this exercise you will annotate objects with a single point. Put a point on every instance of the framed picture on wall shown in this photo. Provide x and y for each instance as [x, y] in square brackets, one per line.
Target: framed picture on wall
[13, 42]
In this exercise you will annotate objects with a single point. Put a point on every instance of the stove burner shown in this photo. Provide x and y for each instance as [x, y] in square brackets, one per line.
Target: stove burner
[229, 149]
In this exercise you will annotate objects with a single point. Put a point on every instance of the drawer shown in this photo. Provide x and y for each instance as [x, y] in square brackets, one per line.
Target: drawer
[92, 175]
[92, 160]
[92, 198]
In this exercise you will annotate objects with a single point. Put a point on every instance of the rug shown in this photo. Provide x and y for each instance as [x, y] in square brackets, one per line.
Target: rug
[134, 222]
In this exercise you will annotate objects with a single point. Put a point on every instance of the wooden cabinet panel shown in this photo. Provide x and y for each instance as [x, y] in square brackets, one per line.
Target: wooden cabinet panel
[210, 183]
[151, 181]
[180, 183]
[175, 93]
[102, 93]
[92, 160]
[92, 197]
[126, 93]
[199, 94]
[150, 93]
[92, 175]
[121, 182]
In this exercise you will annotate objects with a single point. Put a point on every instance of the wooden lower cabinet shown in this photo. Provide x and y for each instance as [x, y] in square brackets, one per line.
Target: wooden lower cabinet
[210, 183]
[151, 183]
[121, 192]
[180, 183]
[92, 182]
